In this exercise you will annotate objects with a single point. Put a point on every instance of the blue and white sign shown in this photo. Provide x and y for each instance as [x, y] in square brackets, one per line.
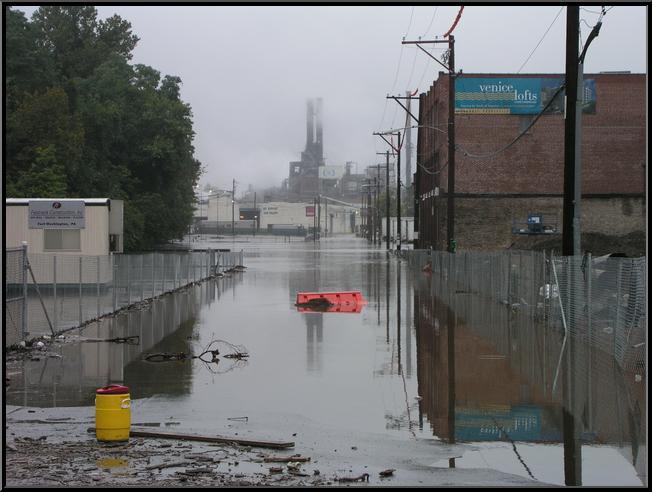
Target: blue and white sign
[514, 95]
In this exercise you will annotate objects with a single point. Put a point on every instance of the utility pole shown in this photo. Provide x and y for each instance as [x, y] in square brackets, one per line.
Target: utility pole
[233, 210]
[450, 222]
[571, 424]
[314, 219]
[387, 198]
[572, 47]
[326, 217]
[451, 147]
[398, 195]
[408, 148]
[376, 213]
[319, 215]
[387, 204]
[255, 215]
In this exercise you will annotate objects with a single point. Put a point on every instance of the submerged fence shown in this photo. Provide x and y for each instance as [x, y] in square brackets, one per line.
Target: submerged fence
[601, 302]
[46, 294]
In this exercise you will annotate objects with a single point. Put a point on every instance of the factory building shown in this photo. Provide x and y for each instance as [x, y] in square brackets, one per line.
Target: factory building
[304, 174]
[502, 191]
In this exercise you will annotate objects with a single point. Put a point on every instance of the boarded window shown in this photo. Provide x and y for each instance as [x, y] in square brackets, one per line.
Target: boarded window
[62, 239]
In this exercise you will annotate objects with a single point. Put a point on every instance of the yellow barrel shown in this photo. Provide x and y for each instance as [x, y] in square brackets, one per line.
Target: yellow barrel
[112, 413]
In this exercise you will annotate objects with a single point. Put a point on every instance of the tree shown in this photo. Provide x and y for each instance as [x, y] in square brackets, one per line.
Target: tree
[87, 123]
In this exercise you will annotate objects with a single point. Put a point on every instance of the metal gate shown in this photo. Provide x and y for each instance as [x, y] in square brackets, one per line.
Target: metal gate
[15, 295]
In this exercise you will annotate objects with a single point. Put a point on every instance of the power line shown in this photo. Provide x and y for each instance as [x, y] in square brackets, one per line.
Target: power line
[457, 19]
[540, 41]
[398, 69]
[431, 21]
[536, 118]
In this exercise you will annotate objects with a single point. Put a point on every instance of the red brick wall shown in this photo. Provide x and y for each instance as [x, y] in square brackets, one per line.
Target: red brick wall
[613, 148]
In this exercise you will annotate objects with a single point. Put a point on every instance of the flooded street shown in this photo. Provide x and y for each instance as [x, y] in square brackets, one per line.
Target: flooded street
[357, 392]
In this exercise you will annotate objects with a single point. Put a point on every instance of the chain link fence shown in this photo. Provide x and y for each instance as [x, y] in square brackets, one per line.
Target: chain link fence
[67, 291]
[573, 328]
[601, 302]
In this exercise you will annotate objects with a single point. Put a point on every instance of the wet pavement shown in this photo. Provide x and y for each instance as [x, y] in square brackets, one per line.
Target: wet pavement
[358, 393]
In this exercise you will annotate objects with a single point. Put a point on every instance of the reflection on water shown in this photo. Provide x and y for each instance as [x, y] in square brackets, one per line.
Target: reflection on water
[418, 363]
[502, 387]
[69, 373]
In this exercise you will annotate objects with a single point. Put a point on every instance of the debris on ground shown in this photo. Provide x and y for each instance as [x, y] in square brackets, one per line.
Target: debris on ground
[286, 459]
[362, 478]
[387, 473]
[210, 354]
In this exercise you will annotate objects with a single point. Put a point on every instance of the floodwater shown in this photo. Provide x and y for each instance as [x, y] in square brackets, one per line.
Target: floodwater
[381, 388]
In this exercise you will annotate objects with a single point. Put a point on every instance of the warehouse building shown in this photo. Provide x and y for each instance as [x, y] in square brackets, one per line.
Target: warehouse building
[503, 192]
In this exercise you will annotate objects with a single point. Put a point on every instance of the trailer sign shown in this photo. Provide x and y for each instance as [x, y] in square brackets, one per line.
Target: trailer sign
[54, 214]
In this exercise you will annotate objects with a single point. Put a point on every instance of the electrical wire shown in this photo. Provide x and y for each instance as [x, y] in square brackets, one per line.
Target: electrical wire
[431, 21]
[534, 120]
[457, 19]
[398, 69]
[540, 41]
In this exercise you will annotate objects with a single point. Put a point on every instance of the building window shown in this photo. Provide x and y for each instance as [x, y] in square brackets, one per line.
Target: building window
[62, 239]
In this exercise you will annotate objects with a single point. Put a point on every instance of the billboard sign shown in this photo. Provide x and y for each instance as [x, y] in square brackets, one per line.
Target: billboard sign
[515, 95]
[310, 211]
[331, 172]
[54, 214]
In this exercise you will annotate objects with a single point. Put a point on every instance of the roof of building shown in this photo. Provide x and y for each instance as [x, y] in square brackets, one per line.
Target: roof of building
[87, 201]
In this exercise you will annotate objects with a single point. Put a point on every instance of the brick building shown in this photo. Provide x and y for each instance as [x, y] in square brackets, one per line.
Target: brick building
[496, 190]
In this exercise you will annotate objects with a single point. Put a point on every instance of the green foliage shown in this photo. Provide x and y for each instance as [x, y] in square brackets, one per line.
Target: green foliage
[83, 122]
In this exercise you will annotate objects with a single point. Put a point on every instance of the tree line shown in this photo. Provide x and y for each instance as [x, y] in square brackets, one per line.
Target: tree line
[82, 122]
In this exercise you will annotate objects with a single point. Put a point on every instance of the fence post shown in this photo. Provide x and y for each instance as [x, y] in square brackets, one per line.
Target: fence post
[590, 331]
[80, 290]
[177, 265]
[142, 278]
[54, 292]
[24, 323]
[114, 270]
[128, 280]
[98, 286]
[617, 320]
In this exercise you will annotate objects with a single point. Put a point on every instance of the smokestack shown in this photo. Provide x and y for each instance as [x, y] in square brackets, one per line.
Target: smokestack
[310, 131]
[320, 146]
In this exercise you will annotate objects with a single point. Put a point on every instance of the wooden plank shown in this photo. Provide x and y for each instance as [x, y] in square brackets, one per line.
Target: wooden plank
[214, 439]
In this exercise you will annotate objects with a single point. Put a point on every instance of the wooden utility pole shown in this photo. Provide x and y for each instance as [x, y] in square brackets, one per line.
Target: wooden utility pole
[387, 198]
[451, 147]
[450, 67]
[314, 220]
[570, 421]
[398, 195]
[255, 215]
[386, 154]
[233, 209]
[319, 215]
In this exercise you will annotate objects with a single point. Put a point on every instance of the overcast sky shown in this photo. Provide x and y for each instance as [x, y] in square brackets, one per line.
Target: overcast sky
[247, 71]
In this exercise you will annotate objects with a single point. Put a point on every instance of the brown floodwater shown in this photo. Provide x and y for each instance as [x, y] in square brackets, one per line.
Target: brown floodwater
[374, 386]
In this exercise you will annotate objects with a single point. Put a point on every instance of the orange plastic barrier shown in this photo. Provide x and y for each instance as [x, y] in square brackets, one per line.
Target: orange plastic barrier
[337, 298]
[337, 308]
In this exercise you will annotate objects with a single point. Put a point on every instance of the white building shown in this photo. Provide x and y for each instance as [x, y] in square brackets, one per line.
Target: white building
[336, 218]
[65, 226]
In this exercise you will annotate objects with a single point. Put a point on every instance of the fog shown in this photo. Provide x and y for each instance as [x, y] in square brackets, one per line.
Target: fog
[247, 71]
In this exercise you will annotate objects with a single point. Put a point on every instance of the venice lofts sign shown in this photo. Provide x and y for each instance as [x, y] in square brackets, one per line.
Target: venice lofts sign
[515, 95]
